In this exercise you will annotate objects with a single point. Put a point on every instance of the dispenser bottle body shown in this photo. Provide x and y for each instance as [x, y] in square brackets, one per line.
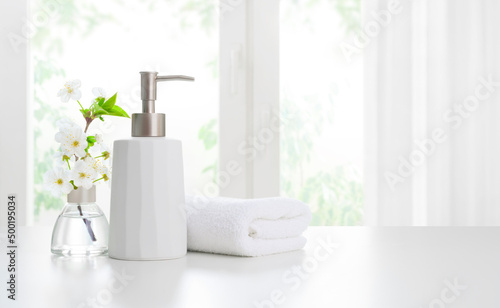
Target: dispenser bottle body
[148, 217]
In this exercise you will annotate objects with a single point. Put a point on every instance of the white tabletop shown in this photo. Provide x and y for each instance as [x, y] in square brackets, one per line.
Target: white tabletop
[340, 267]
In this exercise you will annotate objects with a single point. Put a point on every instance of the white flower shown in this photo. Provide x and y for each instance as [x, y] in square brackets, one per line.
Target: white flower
[106, 175]
[65, 123]
[57, 182]
[105, 148]
[106, 154]
[99, 92]
[70, 90]
[101, 151]
[61, 157]
[83, 174]
[95, 150]
[102, 172]
[73, 141]
[98, 138]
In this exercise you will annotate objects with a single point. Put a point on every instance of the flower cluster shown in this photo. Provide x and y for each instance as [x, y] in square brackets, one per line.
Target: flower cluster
[82, 159]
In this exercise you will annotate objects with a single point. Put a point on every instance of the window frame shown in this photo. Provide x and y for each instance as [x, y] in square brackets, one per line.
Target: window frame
[249, 153]
[249, 103]
[15, 128]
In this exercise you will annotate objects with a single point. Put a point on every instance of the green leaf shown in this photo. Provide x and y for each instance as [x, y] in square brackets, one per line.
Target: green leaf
[85, 112]
[101, 118]
[90, 142]
[118, 112]
[208, 134]
[98, 111]
[100, 101]
[209, 168]
[110, 103]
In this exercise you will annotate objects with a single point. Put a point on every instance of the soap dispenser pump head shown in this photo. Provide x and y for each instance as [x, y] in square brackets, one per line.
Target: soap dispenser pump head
[148, 123]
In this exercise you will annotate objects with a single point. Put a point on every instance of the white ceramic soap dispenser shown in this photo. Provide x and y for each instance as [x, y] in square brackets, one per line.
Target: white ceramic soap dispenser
[148, 218]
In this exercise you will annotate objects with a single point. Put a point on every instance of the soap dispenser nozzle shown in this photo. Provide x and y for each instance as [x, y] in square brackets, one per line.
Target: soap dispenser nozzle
[148, 123]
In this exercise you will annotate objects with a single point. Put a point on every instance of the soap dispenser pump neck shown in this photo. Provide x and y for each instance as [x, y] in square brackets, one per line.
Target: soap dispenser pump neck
[149, 82]
[148, 123]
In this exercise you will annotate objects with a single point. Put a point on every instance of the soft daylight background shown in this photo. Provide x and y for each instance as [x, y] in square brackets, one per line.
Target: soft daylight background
[321, 150]
[422, 73]
[418, 66]
[89, 40]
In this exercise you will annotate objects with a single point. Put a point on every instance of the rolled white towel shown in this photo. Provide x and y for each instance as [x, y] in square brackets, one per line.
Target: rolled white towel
[246, 227]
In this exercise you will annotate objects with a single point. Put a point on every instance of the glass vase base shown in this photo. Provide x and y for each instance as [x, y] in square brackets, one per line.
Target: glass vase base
[79, 251]
[80, 230]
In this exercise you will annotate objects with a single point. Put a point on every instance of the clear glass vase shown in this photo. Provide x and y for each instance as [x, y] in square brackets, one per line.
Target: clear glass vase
[81, 228]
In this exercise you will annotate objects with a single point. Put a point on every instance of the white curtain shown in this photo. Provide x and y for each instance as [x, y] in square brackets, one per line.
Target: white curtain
[432, 114]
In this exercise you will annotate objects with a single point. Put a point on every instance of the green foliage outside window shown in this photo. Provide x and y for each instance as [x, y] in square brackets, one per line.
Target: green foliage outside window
[336, 196]
[46, 47]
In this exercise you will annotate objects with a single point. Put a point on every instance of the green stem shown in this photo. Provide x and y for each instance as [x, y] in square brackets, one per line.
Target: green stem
[67, 161]
[98, 179]
[73, 183]
[80, 104]
[99, 156]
